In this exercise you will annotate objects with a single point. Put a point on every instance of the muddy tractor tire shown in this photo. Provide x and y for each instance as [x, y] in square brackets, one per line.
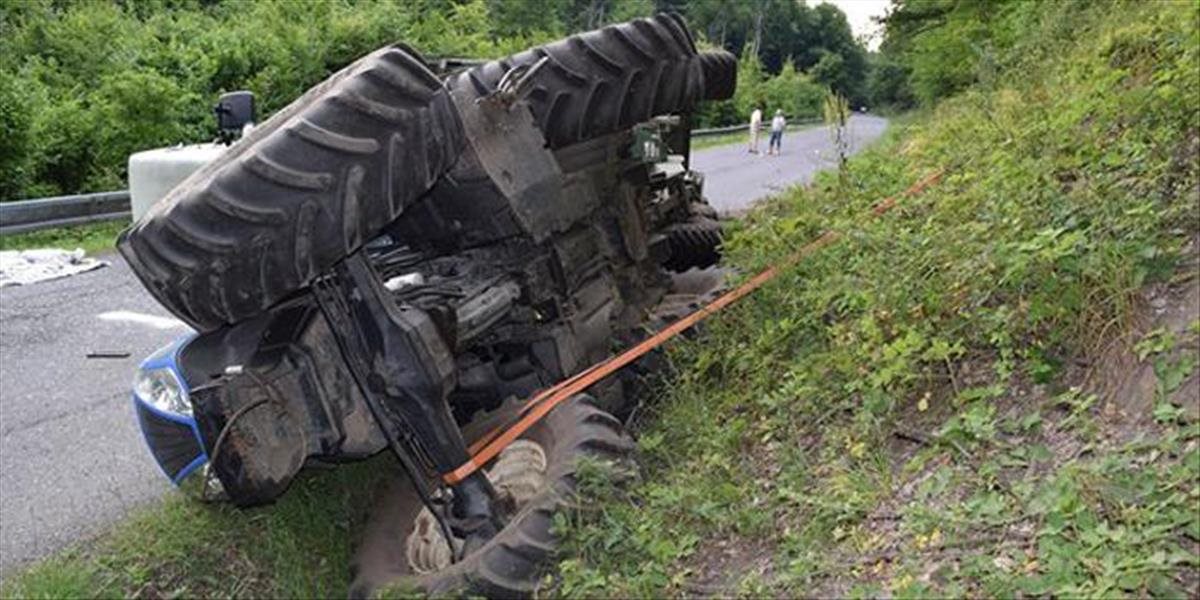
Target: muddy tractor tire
[299, 193]
[512, 563]
[607, 80]
[324, 175]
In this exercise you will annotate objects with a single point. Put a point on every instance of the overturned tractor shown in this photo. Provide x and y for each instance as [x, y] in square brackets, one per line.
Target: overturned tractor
[391, 260]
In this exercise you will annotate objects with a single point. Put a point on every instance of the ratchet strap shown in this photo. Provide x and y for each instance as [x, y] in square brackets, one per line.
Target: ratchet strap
[490, 445]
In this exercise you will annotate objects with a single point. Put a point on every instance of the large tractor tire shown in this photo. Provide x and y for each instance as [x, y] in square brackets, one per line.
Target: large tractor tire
[610, 79]
[299, 193]
[327, 173]
[403, 550]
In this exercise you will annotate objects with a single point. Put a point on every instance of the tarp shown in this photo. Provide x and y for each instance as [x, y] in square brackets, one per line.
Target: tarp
[23, 267]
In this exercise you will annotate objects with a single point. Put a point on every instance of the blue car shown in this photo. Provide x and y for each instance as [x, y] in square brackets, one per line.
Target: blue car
[163, 406]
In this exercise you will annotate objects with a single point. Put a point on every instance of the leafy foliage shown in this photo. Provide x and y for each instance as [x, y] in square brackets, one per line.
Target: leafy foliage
[791, 91]
[95, 82]
[84, 84]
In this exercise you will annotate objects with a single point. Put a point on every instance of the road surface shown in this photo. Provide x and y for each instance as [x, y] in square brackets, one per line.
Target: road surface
[734, 178]
[71, 457]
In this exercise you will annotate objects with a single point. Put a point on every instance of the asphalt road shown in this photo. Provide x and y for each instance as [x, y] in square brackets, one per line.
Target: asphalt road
[71, 457]
[734, 178]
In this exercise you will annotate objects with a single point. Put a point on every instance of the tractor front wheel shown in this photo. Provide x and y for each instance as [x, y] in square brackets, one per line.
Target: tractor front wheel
[403, 548]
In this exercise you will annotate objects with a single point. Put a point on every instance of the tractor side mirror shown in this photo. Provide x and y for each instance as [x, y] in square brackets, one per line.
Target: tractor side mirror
[234, 111]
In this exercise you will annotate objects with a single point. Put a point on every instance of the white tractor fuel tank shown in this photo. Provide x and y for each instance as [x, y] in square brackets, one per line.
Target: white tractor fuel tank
[154, 172]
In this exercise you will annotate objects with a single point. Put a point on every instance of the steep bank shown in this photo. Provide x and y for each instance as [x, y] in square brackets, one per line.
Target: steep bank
[954, 399]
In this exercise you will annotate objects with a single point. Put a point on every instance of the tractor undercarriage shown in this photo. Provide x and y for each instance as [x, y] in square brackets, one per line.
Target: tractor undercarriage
[351, 312]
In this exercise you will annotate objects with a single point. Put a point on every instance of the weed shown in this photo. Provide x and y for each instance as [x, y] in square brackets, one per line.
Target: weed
[98, 238]
[297, 548]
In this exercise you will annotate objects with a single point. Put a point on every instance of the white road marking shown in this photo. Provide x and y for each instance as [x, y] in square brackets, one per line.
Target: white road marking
[154, 321]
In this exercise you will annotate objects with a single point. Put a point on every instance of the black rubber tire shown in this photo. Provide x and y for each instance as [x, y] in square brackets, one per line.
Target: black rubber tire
[720, 74]
[327, 173]
[512, 563]
[696, 243]
[300, 192]
[606, 80]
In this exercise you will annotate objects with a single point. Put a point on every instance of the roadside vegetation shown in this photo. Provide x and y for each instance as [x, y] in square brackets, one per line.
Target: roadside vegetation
[297, 548]
[84, 84]
[991, 390]
[743, 137]
[96, 238]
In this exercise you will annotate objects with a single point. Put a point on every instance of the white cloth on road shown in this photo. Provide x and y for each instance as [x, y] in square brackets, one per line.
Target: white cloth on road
[778, 123]
[23, 267]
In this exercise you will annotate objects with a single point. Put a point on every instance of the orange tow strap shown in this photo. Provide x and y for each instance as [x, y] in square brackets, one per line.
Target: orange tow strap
[486, 448]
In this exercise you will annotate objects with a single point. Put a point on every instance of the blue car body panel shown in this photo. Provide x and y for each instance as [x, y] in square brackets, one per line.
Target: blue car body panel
[168, 358]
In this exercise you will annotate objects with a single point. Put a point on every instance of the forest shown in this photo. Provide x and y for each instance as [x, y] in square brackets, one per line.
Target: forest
[83, 84]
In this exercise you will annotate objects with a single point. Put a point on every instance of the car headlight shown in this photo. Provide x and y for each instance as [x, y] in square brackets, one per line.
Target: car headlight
[161, 388]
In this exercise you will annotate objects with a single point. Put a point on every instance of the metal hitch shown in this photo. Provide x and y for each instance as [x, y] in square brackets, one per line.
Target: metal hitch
[405, 370]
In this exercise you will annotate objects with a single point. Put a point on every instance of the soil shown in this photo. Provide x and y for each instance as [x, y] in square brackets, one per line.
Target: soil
[1128, 385]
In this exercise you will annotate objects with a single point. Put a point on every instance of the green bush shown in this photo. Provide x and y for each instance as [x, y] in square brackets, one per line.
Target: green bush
[84, 84]
[15, 119]
[795, 93]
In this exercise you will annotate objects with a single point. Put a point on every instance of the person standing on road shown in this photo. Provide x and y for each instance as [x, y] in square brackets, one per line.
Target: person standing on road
[778, 123]
[755, 125]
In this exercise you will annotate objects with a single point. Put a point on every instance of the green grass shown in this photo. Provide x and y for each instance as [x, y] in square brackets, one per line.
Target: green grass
[96, 238]
[910, 412]
[297, 548]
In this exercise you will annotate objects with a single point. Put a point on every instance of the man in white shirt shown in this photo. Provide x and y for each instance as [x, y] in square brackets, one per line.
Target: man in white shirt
[755, 125]
[778, 123]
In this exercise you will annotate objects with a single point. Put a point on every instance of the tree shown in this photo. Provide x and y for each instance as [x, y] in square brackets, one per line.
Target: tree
[777, 31]
[888, 83]
[511, 18]
[940, 45]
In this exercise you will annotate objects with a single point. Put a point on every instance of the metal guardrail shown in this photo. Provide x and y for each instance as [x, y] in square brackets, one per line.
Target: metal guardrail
[63, 211]
[715, 131]
[712, 131]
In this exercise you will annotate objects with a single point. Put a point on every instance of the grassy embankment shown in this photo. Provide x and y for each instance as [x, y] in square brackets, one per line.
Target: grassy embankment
[976, 394]
[926, 407]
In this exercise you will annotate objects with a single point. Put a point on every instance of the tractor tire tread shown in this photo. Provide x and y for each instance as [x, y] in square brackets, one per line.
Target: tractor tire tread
[512, 564]
[298, 193]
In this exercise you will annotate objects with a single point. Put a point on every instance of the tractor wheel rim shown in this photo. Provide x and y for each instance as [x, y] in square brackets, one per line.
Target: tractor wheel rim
[518, 475]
